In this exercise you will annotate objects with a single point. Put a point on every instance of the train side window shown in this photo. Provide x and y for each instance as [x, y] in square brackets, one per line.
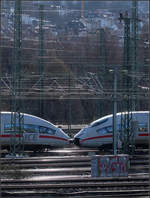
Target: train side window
[110, 128]
[46, 130]
[9, 128]
[30, 128]
[142, 127]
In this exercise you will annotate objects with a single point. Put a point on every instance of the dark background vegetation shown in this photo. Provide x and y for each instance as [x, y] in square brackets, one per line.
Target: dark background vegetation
[79, 56]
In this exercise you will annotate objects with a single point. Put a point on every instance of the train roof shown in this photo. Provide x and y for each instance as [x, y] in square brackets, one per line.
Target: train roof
[28, 115]
[120, 113]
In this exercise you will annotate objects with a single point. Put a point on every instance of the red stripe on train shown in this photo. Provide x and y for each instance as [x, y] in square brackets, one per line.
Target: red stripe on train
[41, 136]
[53, 137]
[7, 136]
[144, 134]
[109, 136]
[91, 138]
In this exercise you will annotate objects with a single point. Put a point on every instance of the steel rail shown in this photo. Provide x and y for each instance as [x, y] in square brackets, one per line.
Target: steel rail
[76, 185]
[112, 193]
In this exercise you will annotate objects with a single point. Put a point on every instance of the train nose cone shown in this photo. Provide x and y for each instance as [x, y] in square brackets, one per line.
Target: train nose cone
[76, 141]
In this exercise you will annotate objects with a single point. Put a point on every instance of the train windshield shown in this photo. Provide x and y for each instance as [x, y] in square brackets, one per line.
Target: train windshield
[97, 123]
[46, 130]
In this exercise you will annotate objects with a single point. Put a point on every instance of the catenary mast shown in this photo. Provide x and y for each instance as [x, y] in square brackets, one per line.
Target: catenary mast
[41, 66]
[17, 119]
[130, 66]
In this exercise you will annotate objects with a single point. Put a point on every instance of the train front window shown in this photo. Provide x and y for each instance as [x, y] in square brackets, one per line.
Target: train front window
[102, 131]
[109, 129]
[51, 131]
[46, 130]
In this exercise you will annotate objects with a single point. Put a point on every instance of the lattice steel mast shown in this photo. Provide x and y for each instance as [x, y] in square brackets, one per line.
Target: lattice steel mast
[102, 50]
[130, 64]
[134, 38]
[102, 67]
[17, 118]
[41, 66]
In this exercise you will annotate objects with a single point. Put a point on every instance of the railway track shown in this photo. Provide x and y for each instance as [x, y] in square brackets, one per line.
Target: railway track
[69, 175]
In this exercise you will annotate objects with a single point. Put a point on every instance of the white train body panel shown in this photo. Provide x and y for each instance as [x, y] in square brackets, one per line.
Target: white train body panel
[100, 132]
[37, 132]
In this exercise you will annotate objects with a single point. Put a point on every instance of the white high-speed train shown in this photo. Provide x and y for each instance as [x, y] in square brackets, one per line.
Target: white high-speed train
[100, 132]
[37, 133]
